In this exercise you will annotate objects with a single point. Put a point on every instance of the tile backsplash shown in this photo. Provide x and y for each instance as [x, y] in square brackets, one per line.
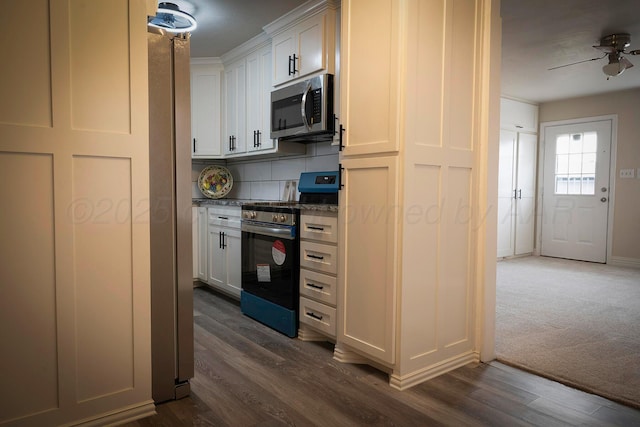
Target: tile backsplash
[265, 179]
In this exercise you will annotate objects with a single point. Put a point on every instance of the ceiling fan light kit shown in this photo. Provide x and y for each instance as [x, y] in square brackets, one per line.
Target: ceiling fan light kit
[613, 46]
[171, 19]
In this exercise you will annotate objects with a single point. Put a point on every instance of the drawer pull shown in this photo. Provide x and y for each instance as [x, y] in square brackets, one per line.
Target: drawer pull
[315, 286]
[315, 316]
[315, 256]
[223, 217]
[311, 227]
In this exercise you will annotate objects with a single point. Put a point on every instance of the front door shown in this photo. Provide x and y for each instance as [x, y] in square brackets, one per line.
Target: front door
[576, 191]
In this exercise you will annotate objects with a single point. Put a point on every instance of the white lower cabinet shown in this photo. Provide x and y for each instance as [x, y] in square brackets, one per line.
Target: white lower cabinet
[318, 271]
[224, 250]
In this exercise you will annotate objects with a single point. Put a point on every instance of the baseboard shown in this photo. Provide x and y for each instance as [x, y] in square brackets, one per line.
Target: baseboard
[624, 262]
[414, 378]
[125, 415]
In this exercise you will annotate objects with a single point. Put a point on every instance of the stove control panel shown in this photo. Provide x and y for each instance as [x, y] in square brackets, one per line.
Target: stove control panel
[269, 217]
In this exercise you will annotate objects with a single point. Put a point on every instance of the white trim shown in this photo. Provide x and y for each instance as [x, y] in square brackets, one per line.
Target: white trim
[121, 416]
[619, 261]
[403, 382]
[612, 174]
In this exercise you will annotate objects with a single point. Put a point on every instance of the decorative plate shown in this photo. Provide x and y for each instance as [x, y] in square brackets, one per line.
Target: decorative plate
[215, 182]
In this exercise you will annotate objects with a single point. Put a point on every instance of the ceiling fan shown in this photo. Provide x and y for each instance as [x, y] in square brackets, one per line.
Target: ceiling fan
[613, 46]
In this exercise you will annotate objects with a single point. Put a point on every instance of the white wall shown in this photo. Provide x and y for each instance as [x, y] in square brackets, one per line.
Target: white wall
[264, 179]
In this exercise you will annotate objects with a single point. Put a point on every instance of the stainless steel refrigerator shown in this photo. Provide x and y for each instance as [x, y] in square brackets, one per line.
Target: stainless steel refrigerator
[170, 213]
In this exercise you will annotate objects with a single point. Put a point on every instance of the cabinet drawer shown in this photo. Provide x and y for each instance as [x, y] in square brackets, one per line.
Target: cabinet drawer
[322, 228]
[318, 286]
[320, 316]
[317, 256]
[225, 216]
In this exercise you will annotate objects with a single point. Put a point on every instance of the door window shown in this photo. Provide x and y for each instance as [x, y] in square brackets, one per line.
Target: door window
[575, 171]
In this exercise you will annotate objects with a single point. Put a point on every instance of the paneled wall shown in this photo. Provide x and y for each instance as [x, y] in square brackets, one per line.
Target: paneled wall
[74, 276]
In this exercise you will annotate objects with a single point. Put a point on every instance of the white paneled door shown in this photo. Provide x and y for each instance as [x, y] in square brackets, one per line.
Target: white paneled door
[576, 191]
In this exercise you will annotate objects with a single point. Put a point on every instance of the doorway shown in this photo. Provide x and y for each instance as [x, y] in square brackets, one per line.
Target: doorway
[575, 189]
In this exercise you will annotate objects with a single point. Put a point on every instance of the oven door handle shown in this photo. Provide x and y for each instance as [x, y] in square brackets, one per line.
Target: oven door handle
[284, 233]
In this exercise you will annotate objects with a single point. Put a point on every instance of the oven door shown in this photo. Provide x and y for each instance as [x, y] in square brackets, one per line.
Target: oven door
[270, 263]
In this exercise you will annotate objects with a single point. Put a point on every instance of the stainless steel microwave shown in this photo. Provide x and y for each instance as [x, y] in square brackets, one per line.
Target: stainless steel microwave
[303, 111]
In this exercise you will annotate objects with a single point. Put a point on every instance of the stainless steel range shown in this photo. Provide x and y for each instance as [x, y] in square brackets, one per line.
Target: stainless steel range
[271, 253]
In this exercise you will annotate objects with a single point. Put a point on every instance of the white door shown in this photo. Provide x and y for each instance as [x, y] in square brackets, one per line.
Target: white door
[576, 191]
[506, 193]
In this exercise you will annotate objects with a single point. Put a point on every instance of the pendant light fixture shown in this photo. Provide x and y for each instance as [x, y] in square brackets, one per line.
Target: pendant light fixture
[170, 18]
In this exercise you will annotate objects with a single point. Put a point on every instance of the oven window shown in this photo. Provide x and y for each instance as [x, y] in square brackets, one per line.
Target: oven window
[270, 268]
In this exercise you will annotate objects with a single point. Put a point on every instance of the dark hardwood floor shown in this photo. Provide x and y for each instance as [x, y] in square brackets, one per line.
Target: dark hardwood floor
[249, 375]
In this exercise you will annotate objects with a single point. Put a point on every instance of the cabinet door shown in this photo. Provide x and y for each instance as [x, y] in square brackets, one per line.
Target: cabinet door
[194, 240]
[525, 183]
[217, 270]
[369, 103]
[259, 100]
[519, 116]
[283, 49]
[367, 274]
[235, 113]
[507, 193]
[232, 241]
[205, 110]
[203, 238]
[310, 42]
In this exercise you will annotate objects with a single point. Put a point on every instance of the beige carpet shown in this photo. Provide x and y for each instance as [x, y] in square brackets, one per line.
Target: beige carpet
[571, 321]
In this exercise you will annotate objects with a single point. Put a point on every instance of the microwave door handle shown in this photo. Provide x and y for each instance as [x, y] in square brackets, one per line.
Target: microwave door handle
[303, 106]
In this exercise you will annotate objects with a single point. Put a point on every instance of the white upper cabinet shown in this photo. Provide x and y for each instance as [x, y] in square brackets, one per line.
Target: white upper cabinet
[518, 116]
[303, 42]
[206, 81]
[259, 100]
[234, 141]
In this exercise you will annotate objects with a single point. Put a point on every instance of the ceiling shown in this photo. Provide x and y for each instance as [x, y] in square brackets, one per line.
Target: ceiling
[540, 34]
[537, 35]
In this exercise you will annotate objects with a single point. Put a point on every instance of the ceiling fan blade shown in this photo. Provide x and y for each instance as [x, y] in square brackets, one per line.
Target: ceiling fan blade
[625, 63]
[574, 63]
[606, 49]
[633, 52]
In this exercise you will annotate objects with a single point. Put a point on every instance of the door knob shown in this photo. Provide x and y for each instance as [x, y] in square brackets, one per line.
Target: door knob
[603, 189]
[604, 199]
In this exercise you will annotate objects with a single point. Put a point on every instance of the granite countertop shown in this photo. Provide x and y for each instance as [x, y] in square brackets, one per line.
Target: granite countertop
[241, 202]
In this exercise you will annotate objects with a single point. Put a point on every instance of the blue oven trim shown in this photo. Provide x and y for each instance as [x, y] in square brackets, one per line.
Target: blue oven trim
[273, 315]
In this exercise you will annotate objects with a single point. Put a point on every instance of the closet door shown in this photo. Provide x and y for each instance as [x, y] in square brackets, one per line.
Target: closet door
[506, 193]
[526, 191]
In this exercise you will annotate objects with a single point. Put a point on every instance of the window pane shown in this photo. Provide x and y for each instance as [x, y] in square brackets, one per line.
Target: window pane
[561, 184]
[574, 184]
[575, 163]
[590, 142]
[589, 163]
[562, 163]
[562, 144]
[575, 144]
[588, 184]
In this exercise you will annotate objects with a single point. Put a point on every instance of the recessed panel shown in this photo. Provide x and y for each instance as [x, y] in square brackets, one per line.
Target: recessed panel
[459, 69]
[368, 214]
[25, 86]
[370, 72]
[421, 223]
[101, 215]
[585, 218]
[427, 73]
[29, 368]
[100, 87]
[455, 257]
